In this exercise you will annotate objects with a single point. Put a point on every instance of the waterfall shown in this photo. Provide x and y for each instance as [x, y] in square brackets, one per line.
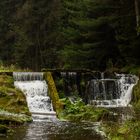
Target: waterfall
[36, 91]
[111, 92]
[28, 76]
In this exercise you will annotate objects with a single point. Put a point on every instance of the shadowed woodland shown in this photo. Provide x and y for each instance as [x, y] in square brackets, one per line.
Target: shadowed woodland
[89, 34]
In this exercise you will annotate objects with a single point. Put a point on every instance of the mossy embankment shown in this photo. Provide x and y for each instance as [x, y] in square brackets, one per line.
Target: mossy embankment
[129, 129]
[13, 105]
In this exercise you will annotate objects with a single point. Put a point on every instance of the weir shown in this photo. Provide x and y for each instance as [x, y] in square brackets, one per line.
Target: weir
[100, 90]
[35, 88]
[116, 92]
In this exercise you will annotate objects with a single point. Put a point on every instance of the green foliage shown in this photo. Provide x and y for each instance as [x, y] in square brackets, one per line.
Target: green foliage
[136, 99]
[70, 34]
[78, 111]
[129, 130]
[7, 118]
[91, 40]
[134, 69]
[6, 81]
[37, 28]
[11, 68]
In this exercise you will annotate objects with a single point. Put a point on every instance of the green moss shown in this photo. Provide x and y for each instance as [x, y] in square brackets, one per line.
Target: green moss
[6, 81]
[11, 68]
[131, 69]
[129, 130]
[11, 99]
[136, 99]
[13, 105]
[10, 120]
[53, 92]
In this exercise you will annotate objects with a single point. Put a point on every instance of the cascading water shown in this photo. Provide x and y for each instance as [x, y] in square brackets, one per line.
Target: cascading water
[115, 92]
[36, 91]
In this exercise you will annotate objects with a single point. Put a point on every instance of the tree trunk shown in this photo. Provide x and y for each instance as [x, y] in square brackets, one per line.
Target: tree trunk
[137, 13]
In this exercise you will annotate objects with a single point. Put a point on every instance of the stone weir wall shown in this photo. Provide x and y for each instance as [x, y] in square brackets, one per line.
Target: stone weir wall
[66, 83]
[75, 82]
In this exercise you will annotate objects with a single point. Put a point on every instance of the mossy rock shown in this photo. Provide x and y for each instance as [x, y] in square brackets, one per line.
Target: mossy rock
[123, 130]
[12, 99]
[6, 80]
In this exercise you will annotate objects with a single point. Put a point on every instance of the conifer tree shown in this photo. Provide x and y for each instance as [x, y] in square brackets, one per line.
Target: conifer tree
[91, 42]
[7, 37]
[37, 33]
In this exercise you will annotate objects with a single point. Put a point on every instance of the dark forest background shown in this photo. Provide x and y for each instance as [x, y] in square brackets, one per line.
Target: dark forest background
[92, 34]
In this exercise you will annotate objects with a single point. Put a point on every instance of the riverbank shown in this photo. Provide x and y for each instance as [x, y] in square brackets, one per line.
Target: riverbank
[130, 128]
[13, 106]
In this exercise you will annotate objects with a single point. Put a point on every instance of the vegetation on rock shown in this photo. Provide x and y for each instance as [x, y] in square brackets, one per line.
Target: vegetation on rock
[11, 99]
[13, 105]
[57, 105]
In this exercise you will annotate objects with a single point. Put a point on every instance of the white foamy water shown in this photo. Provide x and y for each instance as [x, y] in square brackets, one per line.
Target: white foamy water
[119, 95]
[36, 92]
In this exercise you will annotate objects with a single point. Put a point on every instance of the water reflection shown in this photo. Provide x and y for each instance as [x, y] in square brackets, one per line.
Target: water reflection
[56, 130]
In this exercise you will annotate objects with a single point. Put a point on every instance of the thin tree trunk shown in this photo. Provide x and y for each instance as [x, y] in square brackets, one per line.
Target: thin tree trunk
[137, 13]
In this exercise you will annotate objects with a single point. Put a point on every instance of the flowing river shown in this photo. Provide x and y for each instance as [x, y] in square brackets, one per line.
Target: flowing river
[56, 130]
[117, 93]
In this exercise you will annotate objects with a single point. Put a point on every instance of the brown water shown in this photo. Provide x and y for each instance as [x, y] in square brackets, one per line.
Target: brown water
[55, 130]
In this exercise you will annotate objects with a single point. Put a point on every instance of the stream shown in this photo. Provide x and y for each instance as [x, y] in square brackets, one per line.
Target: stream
[56, 130]
[45, 125]
[104, 92]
